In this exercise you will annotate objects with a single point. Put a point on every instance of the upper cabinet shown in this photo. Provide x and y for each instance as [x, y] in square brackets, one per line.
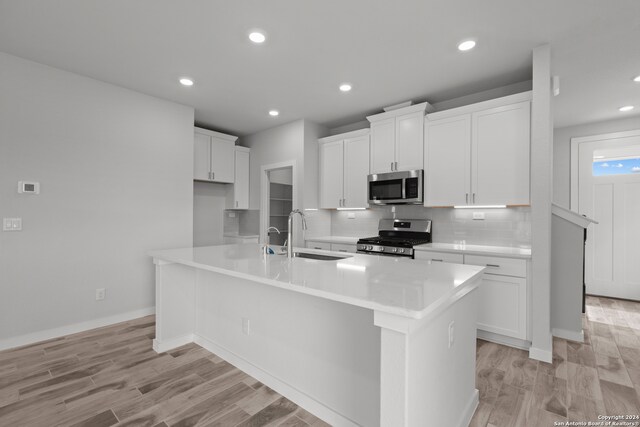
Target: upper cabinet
[397, 139]
[479, 154]
[344, 166]
[238, 194]
[213, 156]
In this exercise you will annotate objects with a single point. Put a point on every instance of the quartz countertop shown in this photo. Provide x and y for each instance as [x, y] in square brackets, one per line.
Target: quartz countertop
[503, 251]
[334, 239]
[394, 285]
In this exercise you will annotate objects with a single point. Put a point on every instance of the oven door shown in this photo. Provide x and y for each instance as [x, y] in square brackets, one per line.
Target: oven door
[395, 188]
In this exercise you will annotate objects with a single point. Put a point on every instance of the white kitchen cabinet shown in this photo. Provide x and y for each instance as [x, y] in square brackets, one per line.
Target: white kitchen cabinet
[325, 246]
[238, 193]
[397, 139]
[503, 295]
[439, 256]
[344, 166]
[213, 156]
[342, 247]
[479, 154]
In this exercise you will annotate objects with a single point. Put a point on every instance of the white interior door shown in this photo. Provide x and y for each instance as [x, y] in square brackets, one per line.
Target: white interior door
[609, 192]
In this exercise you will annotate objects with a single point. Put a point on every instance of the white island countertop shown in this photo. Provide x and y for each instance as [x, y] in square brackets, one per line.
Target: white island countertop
[404, 287]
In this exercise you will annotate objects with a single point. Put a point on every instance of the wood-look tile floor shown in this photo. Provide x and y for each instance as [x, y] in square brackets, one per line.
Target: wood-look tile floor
[112, 376]
[598, 377]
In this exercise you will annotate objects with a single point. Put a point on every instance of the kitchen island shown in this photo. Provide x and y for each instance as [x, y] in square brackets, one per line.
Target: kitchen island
[361, 340]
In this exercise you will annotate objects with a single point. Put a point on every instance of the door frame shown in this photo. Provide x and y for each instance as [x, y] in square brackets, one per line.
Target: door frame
[264, 193]
[575, 161]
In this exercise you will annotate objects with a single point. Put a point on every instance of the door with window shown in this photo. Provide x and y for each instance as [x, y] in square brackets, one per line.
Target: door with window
[609, 192]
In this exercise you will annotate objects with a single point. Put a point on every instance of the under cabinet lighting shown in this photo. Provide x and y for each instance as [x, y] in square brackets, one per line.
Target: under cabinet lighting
[310, 209]
[351, 209]
[480, 207]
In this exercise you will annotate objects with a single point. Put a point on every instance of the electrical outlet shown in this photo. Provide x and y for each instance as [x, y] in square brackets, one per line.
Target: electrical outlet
[451, 333]
[245, 326]
[100, 294]
[351, 215]
[232, 214]
[478, 215]
[11, 224]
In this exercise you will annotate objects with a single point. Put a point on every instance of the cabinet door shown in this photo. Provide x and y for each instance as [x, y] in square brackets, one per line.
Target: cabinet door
[331, 174]
[201, 157]
[383, 135]
[356, 169]
[341, 247]
[319, 245]
[409, 139]
[500, 153]
[447, 161]
[503, 305]
[222, 159]
[241, 184]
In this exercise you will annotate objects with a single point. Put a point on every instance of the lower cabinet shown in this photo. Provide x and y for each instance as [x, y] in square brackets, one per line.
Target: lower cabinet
[503, 291]
[336, 247]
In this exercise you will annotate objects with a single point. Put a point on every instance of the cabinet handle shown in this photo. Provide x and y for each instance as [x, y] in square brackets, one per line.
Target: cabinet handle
[391, 165]
[236, 203]
[466, 198]
[396, 165]
[317, 247]
[438, 260]
[493, 265]
[474, 198]
[213, 176]
[344, 203]
[342, 250]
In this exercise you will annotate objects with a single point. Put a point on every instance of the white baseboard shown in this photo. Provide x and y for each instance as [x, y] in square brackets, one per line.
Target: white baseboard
[568, 335]
[162, 346]
[48, 334]
[470, 409]
[541, 355]
[504, 340]
[308, 403]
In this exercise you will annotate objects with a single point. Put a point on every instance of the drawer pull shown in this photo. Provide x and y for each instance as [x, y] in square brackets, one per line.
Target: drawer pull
[438, 260]
[342, 250]
[317, 247]
[493, 265]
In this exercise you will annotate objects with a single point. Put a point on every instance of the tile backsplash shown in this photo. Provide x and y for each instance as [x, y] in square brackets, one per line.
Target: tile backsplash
[501, 227]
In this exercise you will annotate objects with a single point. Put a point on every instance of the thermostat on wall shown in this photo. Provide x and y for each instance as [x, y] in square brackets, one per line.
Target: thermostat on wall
[28, 187]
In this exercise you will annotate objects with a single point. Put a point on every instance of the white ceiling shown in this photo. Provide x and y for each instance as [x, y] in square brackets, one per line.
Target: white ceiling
[391, 51]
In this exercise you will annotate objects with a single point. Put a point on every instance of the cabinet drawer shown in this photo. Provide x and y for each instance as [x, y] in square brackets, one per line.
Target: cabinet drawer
[340, 247]
[319, 245]
[501, 266]
[439, 256]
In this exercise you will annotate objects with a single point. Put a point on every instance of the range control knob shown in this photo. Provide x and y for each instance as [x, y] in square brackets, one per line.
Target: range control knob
[369, 248]
[401, 250]
[395, 250]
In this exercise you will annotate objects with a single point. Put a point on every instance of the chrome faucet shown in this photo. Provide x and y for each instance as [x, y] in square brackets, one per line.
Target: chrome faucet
[290, 230]
[265, 247]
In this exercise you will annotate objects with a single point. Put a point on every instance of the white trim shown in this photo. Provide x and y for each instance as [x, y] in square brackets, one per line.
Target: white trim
[483, 105]
[61, 331]
[469, 409]
[575, 146]
[162, 346]
[571, 216]
[264, 193]
[568, 335]
[290, 392]
[503, 339]
[216, 134]
[541, 355]
[424, 107]
[346, 135]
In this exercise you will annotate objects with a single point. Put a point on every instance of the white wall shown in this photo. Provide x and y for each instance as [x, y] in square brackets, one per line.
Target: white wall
[115, 168]
[209, 199]
[562, 151]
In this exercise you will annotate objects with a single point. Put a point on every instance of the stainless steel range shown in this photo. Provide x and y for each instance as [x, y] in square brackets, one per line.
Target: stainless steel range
[397, 237]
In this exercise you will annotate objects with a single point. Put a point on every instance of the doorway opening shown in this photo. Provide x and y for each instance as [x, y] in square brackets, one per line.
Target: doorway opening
[277, 200]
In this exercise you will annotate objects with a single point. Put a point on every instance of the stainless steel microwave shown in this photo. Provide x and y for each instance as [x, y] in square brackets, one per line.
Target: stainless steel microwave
[395, 188]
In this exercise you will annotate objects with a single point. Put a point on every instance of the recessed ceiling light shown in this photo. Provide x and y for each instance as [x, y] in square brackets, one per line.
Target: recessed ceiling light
[345, 87]
[636, 79]
[186, 82]
[257, 37]
[274, 113]
[467, 45]
[626, 108]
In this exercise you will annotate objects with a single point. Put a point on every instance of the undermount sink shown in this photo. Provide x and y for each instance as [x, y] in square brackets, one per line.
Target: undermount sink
[319, 257]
